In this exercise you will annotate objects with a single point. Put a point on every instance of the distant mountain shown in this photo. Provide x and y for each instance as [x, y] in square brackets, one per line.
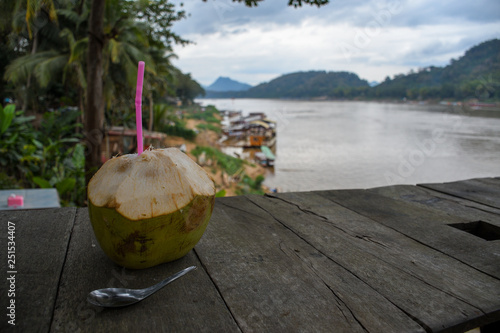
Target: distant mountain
[373, 83]
[227, 84]
[301, 85]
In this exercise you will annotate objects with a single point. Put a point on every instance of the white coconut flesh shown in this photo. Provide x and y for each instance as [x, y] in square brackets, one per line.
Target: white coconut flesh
[157, 182]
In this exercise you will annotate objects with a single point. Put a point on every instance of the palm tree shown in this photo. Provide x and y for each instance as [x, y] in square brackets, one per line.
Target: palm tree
[126, 45]
[65, 65]
[162, 83]
[32, 10]
[36, 14]
[74, 67]
[114, 41]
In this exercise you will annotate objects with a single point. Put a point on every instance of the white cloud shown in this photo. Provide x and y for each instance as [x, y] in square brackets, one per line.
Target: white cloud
[372, 39]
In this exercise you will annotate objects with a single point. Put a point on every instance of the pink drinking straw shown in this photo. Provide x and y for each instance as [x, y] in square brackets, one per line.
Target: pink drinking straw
[138, 104]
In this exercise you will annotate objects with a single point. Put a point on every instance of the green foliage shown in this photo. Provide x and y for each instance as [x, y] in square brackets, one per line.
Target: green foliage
[205, 116]
[209, 127]
[209, 114]
[42, 183]
[50, 157]
[32, 9]
[7, 53]
[231, 165]
[209, 119]
[186, 88]
[8, 182]
[63, 156]
[6, 116]
[211, 109]
[162, 114]
[50, 39]
[251, 186]
[179, 130]
[475, 75]
[161, 15]
[167, 121]
[220, 194]
[18, 147]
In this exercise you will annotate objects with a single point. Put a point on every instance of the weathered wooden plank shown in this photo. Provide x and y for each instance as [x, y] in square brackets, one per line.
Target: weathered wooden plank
[377, 255]
[485, 190]
[424, 225]
[190, 304]
[256, 261]
[268, 288]
[41, 240]
[436, 269]
[484, 220]
[421, 196]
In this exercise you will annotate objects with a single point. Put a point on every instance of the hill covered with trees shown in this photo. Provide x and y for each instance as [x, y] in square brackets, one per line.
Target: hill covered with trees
[308, 84]
[474, 75]
[303, 85]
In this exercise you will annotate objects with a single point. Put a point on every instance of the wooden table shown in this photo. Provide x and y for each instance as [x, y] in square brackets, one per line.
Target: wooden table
[392, 259]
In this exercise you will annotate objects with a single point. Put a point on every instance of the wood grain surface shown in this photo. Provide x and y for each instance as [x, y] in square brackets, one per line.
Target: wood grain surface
[392, 259]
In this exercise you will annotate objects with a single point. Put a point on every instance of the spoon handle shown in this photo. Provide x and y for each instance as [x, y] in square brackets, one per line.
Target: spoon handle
[154, 288]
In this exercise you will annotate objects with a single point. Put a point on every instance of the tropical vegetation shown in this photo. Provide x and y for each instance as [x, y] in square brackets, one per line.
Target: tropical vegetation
[49, 44]
[49, 156]
[45, 61]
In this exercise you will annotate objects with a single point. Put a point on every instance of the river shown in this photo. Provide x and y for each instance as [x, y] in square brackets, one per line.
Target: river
[344, 145]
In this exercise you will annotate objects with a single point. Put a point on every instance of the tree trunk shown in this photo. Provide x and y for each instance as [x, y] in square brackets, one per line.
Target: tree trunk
[94, 113]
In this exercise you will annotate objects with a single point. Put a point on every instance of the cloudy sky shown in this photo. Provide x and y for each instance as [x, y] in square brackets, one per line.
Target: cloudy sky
[372, 38]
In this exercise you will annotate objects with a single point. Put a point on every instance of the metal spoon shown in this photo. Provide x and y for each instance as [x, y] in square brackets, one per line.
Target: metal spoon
[116, 297]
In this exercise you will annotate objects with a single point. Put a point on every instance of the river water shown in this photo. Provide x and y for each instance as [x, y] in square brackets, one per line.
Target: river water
[344, 145]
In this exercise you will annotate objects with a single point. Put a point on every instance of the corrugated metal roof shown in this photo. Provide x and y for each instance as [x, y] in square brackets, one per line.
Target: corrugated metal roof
[269, 154]
[260, 123]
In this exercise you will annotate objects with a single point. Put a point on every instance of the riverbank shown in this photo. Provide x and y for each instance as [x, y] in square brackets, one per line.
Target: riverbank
[247, 176]
[472, 104]
[327, 145]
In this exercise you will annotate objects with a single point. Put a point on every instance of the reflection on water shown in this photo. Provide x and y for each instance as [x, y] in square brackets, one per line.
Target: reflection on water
[341, 145]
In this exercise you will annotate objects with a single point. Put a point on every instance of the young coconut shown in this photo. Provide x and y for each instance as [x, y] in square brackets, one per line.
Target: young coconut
[151, 208]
